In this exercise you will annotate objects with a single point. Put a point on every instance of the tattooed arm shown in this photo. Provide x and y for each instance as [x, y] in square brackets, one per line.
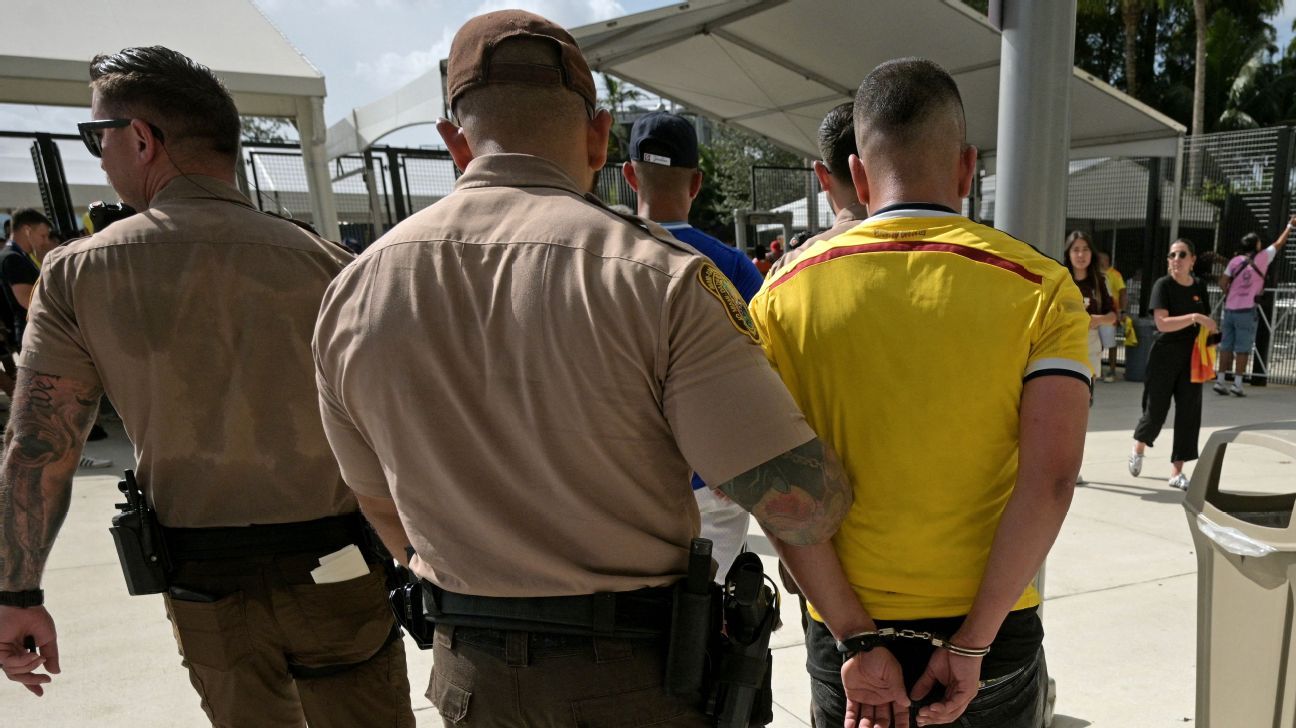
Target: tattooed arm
[48, 424]
[800, 496]
[49, 421]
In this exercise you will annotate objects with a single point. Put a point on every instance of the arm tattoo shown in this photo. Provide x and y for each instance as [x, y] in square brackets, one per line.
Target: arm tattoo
[48, 424]
[800, 496]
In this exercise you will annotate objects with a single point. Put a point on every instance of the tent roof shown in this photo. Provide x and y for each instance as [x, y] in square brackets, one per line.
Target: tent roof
[46, 63]
[775, 67]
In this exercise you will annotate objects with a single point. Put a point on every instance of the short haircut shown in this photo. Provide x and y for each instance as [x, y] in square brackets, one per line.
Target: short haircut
[29, 216]
[897, 98]
[656, 179]
[837, 140]
[173, 92]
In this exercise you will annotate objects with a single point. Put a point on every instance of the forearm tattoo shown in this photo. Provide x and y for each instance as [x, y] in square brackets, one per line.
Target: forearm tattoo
[48, 424]
[799, 496]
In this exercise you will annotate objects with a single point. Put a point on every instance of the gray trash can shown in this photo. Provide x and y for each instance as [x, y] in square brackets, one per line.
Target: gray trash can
[1136, 357]
[1246, 556]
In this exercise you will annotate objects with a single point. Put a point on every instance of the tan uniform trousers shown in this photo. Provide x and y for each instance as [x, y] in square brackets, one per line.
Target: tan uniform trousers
[269, 619]
[508, 679]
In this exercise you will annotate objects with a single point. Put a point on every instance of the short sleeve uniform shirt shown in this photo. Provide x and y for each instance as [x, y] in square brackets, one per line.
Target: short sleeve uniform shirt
[195, 316]
[531, 378]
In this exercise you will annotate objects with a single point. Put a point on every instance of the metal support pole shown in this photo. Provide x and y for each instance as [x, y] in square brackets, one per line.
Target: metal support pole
[1176, 189]
[1036, 55]
[311, 129]
[812, 200]
[397, 189]
[375, 207]
[1035, 72]
[1154, 264]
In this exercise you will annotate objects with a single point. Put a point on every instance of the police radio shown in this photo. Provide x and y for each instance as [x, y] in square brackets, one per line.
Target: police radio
[138, 537]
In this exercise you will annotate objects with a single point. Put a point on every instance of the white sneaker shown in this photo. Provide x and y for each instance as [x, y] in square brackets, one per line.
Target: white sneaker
[1219, 388]
[1135, 464]
[96, 463]
[1237, 391]
[1179, 481]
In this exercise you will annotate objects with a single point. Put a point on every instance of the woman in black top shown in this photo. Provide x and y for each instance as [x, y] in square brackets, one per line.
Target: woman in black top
[1179, 305]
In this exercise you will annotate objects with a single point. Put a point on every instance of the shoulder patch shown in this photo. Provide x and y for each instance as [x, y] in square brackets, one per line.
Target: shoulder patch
[719, 286]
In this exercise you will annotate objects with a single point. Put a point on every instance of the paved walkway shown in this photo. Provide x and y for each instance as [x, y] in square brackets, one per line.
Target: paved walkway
[1120, 598]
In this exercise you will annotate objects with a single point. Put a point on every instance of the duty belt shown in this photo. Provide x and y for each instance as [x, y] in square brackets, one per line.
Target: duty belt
[640, 614]
[321, 536]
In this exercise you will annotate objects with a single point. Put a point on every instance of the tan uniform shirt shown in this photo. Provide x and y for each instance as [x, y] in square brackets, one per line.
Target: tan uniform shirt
[531, 378]
[195, 316]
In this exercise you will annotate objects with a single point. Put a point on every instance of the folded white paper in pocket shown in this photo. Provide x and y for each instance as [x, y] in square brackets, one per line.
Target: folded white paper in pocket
[342, 565]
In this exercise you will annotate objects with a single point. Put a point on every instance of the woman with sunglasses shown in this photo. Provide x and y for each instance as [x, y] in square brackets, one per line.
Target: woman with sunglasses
[1179, 306]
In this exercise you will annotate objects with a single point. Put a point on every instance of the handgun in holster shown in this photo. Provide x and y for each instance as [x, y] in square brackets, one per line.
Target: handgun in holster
[741, 692]
[140, 544]
[406, 599]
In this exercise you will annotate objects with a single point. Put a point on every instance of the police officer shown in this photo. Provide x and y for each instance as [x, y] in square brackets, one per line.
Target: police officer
[517, 382]
[194, 316]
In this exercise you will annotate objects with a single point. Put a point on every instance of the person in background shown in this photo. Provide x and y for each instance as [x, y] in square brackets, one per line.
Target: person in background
[1120, 295]
[760, 259]
[832, 169]
[20, 263]
[663, 172]
[1083, 265]
[1243, 282]
[1180, 305]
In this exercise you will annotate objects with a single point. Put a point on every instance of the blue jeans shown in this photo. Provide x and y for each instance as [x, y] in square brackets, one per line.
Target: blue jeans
[1016, 699]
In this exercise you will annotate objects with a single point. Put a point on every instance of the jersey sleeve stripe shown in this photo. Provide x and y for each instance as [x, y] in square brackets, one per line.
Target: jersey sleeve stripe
[976, 254]
[1056, 366]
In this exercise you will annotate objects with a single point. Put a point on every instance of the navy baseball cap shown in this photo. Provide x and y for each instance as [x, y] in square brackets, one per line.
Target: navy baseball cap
[665, 139]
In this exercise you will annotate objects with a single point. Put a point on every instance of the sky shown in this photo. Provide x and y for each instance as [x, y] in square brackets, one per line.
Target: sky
[368, 48]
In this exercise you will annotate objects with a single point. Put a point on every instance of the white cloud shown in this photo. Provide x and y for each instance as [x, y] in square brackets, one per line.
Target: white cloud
[391, 69]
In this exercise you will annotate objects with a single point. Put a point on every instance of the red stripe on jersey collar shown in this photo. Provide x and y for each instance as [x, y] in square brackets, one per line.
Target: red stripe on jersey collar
[976, 254]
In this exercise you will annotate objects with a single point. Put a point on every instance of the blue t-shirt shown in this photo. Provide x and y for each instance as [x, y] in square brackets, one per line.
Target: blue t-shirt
[736, 266]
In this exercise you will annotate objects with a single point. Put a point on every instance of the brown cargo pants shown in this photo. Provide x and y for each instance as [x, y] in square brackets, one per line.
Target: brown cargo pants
[270, 619]
[488, 677]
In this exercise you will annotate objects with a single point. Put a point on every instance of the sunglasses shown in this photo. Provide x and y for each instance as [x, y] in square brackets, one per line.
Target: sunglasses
[1178, 254]
[92, 133]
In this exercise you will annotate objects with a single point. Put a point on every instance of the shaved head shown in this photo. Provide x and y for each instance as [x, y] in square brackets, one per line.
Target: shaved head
[908, 108]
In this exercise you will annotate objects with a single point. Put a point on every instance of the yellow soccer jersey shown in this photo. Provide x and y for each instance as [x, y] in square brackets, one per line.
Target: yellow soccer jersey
[906, 341]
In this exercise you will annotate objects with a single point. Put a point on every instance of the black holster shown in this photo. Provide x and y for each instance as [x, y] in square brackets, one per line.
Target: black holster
[138, 537]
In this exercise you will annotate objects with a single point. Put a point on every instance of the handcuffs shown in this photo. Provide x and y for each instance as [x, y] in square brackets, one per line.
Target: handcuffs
[865, 641]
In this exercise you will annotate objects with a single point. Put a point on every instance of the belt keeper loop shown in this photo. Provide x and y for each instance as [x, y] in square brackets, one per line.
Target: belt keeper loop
[603, 619]
[515, 648]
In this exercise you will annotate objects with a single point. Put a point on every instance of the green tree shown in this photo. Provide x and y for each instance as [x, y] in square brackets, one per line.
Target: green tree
[726, 164]
[264, 129]
[617, 96]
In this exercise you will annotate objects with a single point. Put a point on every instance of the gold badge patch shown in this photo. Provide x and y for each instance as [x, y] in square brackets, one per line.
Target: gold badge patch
[717, 285]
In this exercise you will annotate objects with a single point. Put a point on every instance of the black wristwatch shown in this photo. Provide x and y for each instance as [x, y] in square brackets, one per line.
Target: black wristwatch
[862, 642]
[30, 598]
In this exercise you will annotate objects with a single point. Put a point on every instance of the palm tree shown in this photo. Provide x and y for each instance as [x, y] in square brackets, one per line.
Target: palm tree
[617, 95]
[1199, 70]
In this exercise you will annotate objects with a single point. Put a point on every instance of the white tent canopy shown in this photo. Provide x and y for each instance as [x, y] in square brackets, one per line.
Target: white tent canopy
[775, 67]
[417, 102]
[47, 63]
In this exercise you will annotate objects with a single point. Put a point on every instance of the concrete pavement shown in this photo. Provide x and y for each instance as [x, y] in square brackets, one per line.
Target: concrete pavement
[1119, 612]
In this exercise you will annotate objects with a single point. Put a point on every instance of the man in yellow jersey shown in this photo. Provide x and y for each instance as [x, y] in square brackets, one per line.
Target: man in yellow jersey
[963, 466]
